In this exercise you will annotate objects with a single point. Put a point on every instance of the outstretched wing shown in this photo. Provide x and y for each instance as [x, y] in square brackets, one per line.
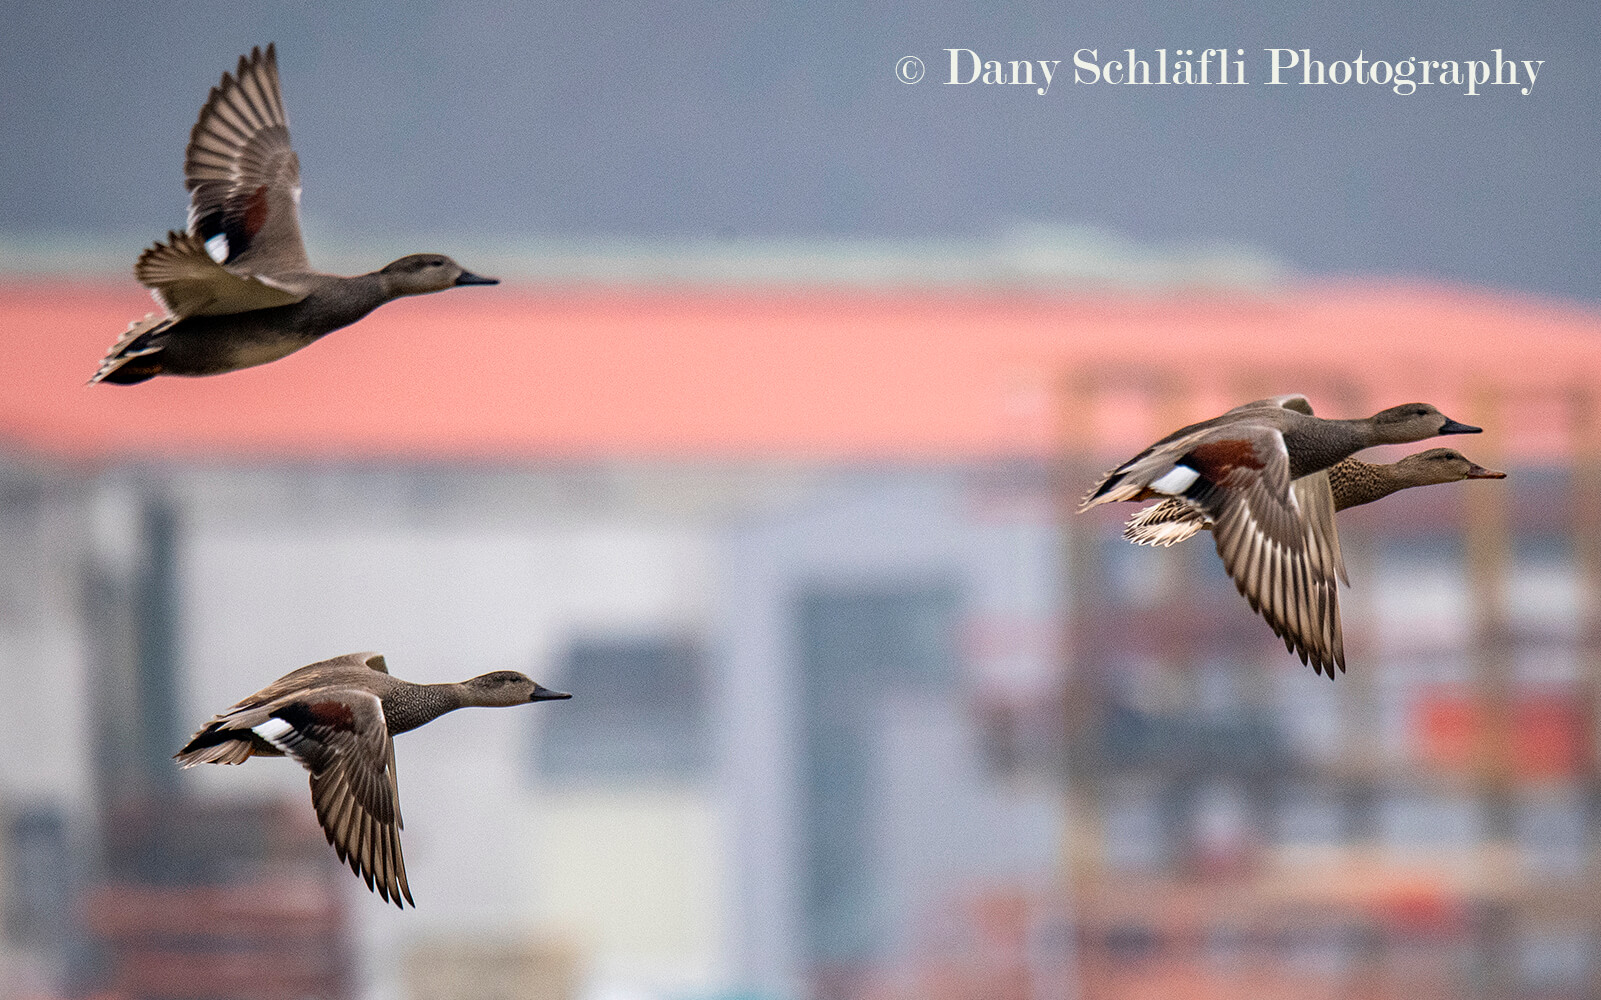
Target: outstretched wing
[342, 739]
[1175, 519]
[1279, 547]
[242, 174]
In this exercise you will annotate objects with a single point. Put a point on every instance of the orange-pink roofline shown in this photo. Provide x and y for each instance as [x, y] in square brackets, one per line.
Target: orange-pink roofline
[696, 372]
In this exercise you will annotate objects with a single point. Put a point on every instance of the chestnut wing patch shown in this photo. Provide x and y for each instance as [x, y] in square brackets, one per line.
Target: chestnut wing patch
[1216, 460]
[255, 214]
[331, 713]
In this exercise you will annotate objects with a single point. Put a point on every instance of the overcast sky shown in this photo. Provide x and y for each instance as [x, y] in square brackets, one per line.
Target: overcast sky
[698, 121]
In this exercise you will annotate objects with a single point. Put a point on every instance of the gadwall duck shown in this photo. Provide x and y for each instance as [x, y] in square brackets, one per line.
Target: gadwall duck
[336, 718]
[1352, 482]
[236, 287]
[1258, 472]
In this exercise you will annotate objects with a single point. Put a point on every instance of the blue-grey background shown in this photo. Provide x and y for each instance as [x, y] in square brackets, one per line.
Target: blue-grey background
[708, 121]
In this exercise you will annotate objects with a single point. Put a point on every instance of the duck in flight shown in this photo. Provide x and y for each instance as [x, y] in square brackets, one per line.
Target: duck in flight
[1259, 475]
[337, 719]
[236, 287]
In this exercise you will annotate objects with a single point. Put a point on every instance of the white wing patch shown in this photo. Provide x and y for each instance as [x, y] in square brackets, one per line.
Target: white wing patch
[276, 731]
[1176, 480]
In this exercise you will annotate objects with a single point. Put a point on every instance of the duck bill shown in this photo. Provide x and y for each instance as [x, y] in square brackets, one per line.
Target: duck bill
[1480, 472]
[469, 278]
[1452, 427]
[542, 693]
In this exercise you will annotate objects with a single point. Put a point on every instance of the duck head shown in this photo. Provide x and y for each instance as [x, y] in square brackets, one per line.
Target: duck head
[421, 273]
[1441, 465]
[1414, 422]
[507, 687]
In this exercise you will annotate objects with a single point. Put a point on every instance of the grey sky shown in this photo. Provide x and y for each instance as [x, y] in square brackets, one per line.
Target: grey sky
[770, 121]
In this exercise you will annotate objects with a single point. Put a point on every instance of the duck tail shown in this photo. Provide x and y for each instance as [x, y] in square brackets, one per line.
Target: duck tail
[132, 358]
[216, 745]
[1106, 491]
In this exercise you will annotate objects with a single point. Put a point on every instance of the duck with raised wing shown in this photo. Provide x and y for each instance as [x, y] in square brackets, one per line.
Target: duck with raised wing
[1258, 473]
[236, 287]
[337, 719]
[1352, 482]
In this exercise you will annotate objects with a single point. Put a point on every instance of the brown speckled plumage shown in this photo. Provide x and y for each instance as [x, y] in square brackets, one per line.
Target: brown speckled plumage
[1352, 484]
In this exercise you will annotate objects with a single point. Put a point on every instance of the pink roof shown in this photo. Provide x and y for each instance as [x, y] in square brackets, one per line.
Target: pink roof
[537, 372]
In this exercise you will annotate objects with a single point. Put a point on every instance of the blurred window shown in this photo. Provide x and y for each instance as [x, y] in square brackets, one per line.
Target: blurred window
[639, 712]
[858, 646]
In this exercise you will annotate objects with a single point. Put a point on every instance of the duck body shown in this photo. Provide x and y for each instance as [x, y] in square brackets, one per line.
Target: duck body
[1351, 481]
[1258, 475]
[236, 287]
[337, 719]
[212, 345]
[1281, 424]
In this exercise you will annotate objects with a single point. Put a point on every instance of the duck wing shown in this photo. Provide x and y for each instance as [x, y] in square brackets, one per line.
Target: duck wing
[1315, 496]
[1176, 519]
[1289, 401]
[184, 278]
[1277, 543]
[342, 738]
[244, 177]
[1166, 523]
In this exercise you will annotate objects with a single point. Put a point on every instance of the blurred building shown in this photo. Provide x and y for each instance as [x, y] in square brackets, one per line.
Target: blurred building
[858, 711]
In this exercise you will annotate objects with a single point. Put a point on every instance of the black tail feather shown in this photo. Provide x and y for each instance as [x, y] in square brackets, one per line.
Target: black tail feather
[211, 736]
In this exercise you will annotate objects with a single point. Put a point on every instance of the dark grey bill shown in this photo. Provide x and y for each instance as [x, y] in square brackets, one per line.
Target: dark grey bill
[1452, 427]
[469, 278]
[542, 693]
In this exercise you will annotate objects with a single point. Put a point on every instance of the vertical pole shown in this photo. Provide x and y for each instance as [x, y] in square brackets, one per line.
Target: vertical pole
[1082, 847]
[1357, 691]
[156, 630]
[1585, 538]
[1082, 844]
[1489, 561]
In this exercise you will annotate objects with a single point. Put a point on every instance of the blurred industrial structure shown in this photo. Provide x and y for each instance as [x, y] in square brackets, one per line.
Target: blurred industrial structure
[1422, 827]
[861, 710]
